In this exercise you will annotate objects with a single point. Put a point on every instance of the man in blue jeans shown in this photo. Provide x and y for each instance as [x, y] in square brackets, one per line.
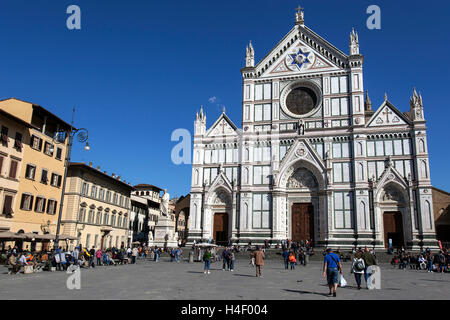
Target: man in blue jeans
[331, 269]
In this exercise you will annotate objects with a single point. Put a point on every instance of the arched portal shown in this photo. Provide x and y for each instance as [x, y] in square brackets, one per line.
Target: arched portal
[302, 182]
[393, 206]
[218, 216]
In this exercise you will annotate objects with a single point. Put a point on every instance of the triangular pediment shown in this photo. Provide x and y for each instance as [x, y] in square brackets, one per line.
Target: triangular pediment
[221, 181]
[301, 51]
[390, 176]
[223, 127]
[302, 149]
[387, 115]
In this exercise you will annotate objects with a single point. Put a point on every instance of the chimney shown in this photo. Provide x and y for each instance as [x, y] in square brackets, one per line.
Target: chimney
[90, 164]
[113, 175]
[118, 178]
[104, 172]
[98, 168]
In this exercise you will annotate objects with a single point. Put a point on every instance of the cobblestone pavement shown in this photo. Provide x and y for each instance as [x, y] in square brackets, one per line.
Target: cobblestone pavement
[166, 280]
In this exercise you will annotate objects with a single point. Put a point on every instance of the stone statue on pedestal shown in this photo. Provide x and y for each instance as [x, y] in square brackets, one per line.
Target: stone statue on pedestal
[165, 204]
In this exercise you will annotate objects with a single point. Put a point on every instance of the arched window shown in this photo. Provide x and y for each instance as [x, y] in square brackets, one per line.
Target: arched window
[424, 170]
[106, 219]
[362, 216]
[81, 215]
[421, 146]
[428, 218]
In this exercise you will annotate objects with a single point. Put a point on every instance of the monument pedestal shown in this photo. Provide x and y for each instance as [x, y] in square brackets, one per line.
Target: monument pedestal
[164, 234]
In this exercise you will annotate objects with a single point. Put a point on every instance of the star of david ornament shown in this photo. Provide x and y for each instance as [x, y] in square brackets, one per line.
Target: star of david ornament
[300, 58]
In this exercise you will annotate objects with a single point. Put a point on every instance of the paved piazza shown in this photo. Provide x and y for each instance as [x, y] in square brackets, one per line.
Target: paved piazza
[166, 280]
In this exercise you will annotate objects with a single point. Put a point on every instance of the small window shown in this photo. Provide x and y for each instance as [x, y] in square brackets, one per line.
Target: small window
[30, 171]
[49, 149]
[7, 206]
[39, 205]
[13, 169]
[36, 143]
[58, 153]
[18, 141]
[4, 136]
[51, 207]
[27, 202]
[44, 176]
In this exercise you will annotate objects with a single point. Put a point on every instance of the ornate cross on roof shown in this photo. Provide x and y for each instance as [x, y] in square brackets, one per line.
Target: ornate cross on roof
[387, 113]
[223, 125]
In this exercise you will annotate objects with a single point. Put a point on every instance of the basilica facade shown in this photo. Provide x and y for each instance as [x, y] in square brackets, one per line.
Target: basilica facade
[312, 160]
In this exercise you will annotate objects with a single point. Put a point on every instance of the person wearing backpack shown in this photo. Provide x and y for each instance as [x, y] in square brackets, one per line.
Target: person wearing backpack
[358, 267]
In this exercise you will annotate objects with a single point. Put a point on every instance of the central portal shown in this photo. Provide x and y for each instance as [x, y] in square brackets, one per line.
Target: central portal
[393, 229]
[302, 222]
[220, 231]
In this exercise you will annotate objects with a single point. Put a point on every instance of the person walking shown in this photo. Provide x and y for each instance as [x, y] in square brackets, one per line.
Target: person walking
[358, 267]
[331, 269]
[225, 263]
[157, 254]
[134, 254]
[292, 260]
[259, 261]
[98, 254]
[369, 260]
[207, 260]
[232, 259]
[285, 256]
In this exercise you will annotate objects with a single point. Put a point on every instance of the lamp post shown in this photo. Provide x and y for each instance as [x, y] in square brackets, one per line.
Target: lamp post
[82, 136]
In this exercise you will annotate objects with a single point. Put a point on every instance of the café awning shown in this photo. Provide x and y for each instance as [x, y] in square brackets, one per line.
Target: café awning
[8, 235]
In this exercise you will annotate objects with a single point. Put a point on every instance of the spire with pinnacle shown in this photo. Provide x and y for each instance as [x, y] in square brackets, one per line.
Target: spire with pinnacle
[250, 56]
[354, 43]
[416, 106]
[200, 122]
[367, 102]
[300, 17]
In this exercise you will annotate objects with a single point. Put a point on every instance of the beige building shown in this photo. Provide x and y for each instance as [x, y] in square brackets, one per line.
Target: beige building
[182, 216]
[96, 207]
[13, 133]
[441, 205]
[41, 170]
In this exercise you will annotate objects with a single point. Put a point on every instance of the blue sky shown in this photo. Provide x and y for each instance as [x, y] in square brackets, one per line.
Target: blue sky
[137, 70]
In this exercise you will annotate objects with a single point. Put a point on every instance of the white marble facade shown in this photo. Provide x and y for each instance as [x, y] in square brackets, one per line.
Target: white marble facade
[309, 135]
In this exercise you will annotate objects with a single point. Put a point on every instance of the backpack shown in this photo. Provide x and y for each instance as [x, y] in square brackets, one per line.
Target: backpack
[359, 266]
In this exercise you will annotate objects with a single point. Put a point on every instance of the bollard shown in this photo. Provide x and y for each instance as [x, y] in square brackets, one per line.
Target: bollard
[191, 257]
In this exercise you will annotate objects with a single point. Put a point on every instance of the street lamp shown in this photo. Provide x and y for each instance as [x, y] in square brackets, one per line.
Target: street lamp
[82, 136]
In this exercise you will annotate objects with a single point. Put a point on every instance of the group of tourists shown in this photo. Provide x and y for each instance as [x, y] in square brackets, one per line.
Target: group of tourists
[425, 260]
[332, 268]
[228, 259]
[60, 259]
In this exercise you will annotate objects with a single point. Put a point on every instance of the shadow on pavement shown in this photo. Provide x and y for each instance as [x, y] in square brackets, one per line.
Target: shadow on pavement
[307, 292]
[244, 275]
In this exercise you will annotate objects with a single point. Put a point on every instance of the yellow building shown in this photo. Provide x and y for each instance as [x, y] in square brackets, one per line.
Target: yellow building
[42, 168]
[13, 132]
[96, 208]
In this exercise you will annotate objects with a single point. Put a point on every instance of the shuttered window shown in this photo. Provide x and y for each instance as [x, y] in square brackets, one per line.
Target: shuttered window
[7, 206]
[13, 169]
